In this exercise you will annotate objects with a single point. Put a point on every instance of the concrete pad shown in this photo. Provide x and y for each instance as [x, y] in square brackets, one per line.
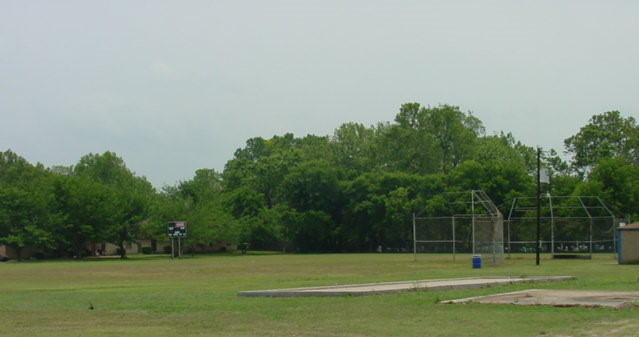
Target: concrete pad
[394, 287]
[560, 298]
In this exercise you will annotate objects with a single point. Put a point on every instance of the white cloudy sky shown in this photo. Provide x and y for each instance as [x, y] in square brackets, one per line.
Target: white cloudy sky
[174, 86]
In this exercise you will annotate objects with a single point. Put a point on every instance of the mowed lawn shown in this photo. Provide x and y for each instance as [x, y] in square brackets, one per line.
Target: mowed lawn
[197, 296]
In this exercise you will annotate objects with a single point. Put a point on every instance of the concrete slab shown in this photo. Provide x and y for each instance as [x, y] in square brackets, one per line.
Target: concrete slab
[560, 298]
[394, 287]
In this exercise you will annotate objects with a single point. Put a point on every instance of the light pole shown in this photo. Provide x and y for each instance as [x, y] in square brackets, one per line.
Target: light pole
[538, 203]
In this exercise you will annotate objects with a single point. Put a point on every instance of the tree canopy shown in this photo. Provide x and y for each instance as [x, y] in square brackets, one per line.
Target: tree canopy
[354, 190]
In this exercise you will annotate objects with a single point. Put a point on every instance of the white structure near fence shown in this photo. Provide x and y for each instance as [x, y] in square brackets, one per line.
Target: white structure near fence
[473, 224]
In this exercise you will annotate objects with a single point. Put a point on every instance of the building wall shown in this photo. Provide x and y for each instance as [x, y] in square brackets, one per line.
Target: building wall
[98, 249]
[27, 252]
[102, 249]
[629, 250]
[156, 246]
[164, 246]
[212, 248]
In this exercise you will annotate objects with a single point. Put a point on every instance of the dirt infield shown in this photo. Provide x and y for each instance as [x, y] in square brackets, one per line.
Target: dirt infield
[394, 287]
[560, 298]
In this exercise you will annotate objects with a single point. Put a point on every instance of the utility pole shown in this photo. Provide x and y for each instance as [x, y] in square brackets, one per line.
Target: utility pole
[415, 239]
[538, 202]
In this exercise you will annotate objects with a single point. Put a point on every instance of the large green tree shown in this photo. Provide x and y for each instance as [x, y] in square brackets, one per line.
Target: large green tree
[201, 203]
[354, 147]
[132, 196]
[607, 135]
[432, 139]
[618, 184]
[89, 211]
[26, 218]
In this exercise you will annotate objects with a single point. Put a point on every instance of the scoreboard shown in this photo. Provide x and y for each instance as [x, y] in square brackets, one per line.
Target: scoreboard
[176, 229]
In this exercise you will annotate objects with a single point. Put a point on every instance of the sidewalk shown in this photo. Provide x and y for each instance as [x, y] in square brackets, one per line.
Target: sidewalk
[394, 287]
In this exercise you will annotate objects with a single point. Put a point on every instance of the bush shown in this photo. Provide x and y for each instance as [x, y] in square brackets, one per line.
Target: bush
[147, 250]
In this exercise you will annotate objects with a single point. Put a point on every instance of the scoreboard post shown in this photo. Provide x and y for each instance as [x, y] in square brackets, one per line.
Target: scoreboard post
[176, 230]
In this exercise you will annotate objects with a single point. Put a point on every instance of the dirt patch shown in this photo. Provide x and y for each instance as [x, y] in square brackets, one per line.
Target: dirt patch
[605, 329]
[561, 298]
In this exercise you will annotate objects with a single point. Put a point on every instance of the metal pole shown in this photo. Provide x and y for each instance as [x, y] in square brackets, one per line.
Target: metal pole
[454, 243]
[179, 248]
[512, 207]
[172, 248]
[591, 237]
[414, 239]
[590, 220]
[614, 238]
[509, 248]
[472, 207]
[552, 225]
[494, 252]
[538, 204]
[614, 230]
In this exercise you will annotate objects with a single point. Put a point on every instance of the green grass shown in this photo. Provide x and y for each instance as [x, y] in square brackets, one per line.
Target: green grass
[196, 296]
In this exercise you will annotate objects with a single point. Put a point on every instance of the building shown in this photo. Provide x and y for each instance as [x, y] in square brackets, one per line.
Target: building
[628, 244]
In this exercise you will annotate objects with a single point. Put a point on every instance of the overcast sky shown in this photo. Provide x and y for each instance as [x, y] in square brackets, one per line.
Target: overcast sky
[174, 86]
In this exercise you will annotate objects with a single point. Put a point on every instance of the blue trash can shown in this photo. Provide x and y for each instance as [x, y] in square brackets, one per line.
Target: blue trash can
[476, 261]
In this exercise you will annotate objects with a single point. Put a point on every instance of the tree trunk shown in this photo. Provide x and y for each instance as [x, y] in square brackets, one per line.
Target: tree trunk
[79, 251]
[18, 251]
[122, 250]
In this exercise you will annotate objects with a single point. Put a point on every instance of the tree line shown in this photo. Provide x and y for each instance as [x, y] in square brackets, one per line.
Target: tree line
[354, 190]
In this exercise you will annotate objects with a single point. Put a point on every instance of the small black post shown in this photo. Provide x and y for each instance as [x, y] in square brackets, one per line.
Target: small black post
[538, 202]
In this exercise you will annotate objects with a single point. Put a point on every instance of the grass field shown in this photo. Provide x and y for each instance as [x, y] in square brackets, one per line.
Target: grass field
[196, 296]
